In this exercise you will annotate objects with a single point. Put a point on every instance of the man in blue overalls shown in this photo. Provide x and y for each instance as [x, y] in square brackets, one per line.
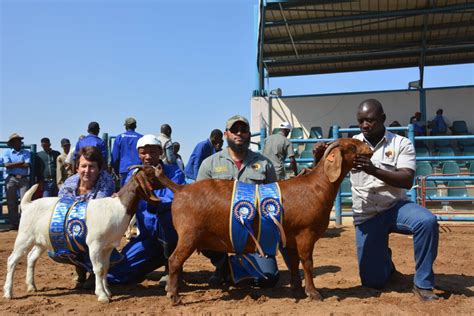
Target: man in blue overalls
[157, 238]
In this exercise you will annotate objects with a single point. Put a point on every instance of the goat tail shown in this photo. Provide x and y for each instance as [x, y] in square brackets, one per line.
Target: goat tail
[28, 196]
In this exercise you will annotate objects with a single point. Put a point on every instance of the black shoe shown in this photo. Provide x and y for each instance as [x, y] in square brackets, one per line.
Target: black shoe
[426, 295]
[220, 276]
[89, 284]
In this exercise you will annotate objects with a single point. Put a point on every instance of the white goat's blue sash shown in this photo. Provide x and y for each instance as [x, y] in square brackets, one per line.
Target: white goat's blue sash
[68, 232]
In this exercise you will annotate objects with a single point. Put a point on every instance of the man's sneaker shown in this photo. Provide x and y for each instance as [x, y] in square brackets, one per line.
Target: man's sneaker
[425, 295]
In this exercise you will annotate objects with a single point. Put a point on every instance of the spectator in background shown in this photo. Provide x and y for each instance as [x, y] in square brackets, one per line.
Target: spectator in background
[92, 139]
[418, 126]
[168, 157]
[124, 152]
[63, 169]
[46, 165]
[439, 124]
[397, 124]
[179, 159]
[17, 163]
[203, 150]
[277, 147]
[70, 156]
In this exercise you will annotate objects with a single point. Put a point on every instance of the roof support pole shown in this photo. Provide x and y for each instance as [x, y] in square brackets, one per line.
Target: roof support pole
[422, 63]
[259, 14]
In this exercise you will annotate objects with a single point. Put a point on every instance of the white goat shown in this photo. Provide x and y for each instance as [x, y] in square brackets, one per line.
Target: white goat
[106, 220]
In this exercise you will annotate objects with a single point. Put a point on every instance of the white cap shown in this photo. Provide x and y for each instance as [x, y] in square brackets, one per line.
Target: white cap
[286, 125]
[148, 140]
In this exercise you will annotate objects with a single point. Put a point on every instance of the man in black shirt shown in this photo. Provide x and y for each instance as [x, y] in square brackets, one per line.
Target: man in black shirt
[46, 168]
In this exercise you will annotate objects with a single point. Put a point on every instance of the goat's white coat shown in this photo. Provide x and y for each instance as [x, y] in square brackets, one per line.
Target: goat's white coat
[106, 221]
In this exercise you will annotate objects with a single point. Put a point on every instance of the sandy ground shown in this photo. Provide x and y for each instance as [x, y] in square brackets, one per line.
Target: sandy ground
[335, 273]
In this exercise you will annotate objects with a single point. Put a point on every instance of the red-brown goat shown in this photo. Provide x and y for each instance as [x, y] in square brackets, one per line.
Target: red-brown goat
[201, 214]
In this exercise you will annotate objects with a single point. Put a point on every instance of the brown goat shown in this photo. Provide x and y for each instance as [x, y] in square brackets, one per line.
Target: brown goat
[201, 214]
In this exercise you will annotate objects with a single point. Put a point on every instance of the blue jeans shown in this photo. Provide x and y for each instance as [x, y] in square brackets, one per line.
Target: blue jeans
[374, 255]
[50, 188]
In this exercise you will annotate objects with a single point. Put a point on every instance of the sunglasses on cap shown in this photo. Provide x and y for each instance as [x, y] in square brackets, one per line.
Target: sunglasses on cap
[240, 128]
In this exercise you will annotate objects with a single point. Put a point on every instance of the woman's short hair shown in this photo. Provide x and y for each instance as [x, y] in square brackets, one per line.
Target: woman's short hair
[90, 153]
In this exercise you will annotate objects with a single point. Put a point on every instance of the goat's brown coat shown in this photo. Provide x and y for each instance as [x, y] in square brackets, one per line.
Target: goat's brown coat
[201, 214]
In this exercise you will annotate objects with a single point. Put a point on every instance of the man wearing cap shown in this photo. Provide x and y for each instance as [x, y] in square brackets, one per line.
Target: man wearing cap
[124, 152]
[63, 169]
[92, 139]
[238, 162]
[157, 238]
[277, 147]
[168, 156]
[46, 168]
[203, 150]
[17, 163]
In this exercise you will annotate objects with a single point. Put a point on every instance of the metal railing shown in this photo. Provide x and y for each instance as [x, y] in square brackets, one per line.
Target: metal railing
[337, 133]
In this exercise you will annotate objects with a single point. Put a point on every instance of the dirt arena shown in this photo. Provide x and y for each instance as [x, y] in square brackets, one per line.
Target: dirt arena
[335, 273]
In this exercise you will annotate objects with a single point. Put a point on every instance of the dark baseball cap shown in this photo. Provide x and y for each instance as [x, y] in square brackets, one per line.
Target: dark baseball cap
[65, 141]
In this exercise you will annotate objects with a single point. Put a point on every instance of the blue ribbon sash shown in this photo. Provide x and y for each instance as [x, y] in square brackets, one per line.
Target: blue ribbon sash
[242, 213]
[271, 212]
[68, 232]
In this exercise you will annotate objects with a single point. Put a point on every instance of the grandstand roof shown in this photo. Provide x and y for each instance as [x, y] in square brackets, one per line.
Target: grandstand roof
[328, 36]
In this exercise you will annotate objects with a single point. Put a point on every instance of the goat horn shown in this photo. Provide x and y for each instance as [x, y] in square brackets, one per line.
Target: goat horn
[136, 167]
[330, 147]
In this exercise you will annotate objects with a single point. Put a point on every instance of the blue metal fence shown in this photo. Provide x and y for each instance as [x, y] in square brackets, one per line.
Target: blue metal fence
[337, 133]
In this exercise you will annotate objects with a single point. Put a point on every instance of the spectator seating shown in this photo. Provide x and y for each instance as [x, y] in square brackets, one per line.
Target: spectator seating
[302, 165]
[459, 128]
[450, 167]
[444, 152]
[441, 143]
[346, 188]
[297, 133]
[422, 152]
[316, 132]
[431, 189]
[308, 146]
[275, 130]
[423, 168]
[468, 151]
[457, 188]
[351, 134]
[463, 143]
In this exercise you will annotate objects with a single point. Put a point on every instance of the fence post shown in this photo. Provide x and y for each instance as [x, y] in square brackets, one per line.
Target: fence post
[33, 164]
[338, 202]
[411, 136]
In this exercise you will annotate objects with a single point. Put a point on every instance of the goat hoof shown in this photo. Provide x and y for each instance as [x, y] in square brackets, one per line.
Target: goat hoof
[314, 295]
[103, 299]
[31, 289]
[298, 292]
[175, 299]
[7, 296]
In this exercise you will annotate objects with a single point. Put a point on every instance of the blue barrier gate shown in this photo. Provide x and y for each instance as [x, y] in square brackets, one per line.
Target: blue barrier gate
[337, 131]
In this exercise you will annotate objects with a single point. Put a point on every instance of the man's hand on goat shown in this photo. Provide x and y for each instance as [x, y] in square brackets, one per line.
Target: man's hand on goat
[365, 164]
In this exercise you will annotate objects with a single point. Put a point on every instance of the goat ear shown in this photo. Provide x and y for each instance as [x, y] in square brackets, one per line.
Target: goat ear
[147, 189]
[333, 165]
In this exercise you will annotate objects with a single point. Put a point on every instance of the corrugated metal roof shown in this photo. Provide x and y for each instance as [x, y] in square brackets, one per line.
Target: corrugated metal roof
[329, 36]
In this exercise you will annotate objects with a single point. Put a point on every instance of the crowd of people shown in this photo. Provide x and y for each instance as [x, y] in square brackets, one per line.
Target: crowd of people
[380, 204]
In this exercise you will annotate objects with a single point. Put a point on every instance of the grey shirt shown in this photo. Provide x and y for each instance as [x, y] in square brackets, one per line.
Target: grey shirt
[255, 168]
[370, 195]
[277, 148]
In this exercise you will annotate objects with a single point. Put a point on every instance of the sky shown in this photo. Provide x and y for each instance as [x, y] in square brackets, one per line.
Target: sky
[190, 64]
